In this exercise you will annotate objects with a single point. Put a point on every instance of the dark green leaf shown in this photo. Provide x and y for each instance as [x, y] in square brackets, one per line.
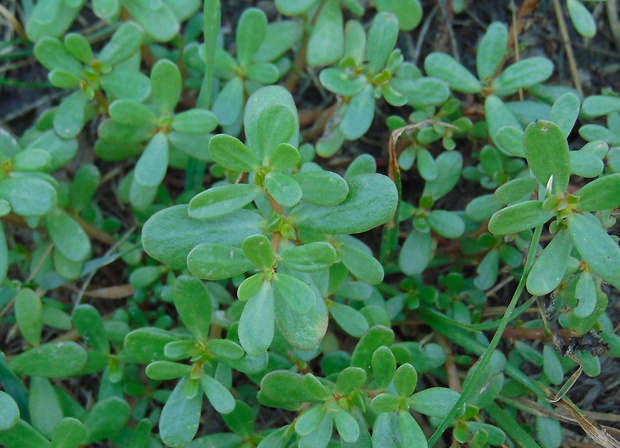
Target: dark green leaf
[491, 51]
[28, 196]
[281, 157]
[192, 301]
[548, 269]
[349, 319]
[52, 360]
[374, 338]
[359, 114]
[363, 266]
[449, 166]
[283, 188]
[310, 257]
[146, 344]
[28, 313]
[222, 200]
[180, 409]
[546, 151]
[167, 370]
[216, 261]
[171, 234]
[22, 435]
[371, 202]
[166, 86]
[194, 121]
[309, 420]
[383, 367]
[565, 111]
[257, 249]
[519, 217]
[600, 194]
[326, 42]
[446, 68]
[251, 31]
[70, 117]
[68, 236]
[524, 73]
[381, 40]
[341, 83]
[9, 412]
[408, 12]
[415, 253]
[434, 401]
[582, 18]
[322, 187]
[347, 426]
[89, 324]
[256, 325]
[232, 154]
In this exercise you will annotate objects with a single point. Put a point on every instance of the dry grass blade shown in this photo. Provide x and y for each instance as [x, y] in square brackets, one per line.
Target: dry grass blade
[592, 428]
[111, 292]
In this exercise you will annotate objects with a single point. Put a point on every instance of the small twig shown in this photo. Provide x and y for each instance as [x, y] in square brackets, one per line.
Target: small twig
[570, 55]
[423, 31]
[614, 24]
[14, 22]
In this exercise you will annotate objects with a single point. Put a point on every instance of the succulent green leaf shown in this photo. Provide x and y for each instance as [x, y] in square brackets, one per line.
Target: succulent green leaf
[303, 331]
[256, 325]
[446, 68]
[359, 114]
[169, 235]
[371, 202]
[321, 435]
[565, 111]
[519, 217]
[156, 18]
[582, 18]
[51, 18]
[374, 338]
[585, 164]
[385, 402]
[132, 113]
[219, 397]
[595, 246]
[192, 301]
[362, 265]
[153, 163]
[449, 165]
[322, 187]
[415, 253]
[548, 269]
[69, 118]
[32, 159]
[434, 401]
[546, 151]
[586, 293]
[68, 433]
[491, 51]
[53, 55]
[125, 84]
[383, 367]
[405, 380]
[78, 46]
[482, 208]
[524, 73]
[283, 188]
[84, 186]
[285, 387]
[350, 320]
[510, 140]
[600, 194]
[52, 360]
[257, 249]
[68, 236]
[276, 124]
[552, 365]
[341, 83]
[350, 379]
[251, 31]
[410, 431]
[194, 121]
[311, 257]
[45, 407]
[280, 37]
[294, 7]
[232, 154]
[166, 86]
[263, 72]
[28, 313]
[146, 344]
[422, 92]
[381, 40]
[516, 189]
[408, 12]
[22, 435]
[347, 426]
[89, 324]
[298, 296]
[261, 100]
[228, 105]
[326, 42]
[597, 105]
[125, 42]
[309, 420]
[314, 387]
[225, 348]
[167, 370]
[216, 261]
[487, 270]
[447, 224]
[106, 9]
[177, 409]
[221, 201]
[28, 196]
[499, 115]
[9, 412]
[281, 157]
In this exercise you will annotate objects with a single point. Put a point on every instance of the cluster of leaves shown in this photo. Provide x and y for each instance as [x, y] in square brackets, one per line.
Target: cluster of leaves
[253, 292]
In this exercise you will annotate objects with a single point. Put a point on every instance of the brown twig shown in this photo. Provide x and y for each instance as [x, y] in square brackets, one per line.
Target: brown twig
[570, 55]
[14, 22]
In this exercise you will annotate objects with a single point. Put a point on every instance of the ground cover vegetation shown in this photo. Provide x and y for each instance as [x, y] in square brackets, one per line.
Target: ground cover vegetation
[282, 225]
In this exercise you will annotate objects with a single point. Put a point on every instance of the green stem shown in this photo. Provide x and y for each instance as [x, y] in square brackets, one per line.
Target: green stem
[510, 427]
[477, 379]
[212, 22]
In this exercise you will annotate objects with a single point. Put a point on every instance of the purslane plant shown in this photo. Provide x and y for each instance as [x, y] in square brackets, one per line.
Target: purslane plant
[243, 270]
